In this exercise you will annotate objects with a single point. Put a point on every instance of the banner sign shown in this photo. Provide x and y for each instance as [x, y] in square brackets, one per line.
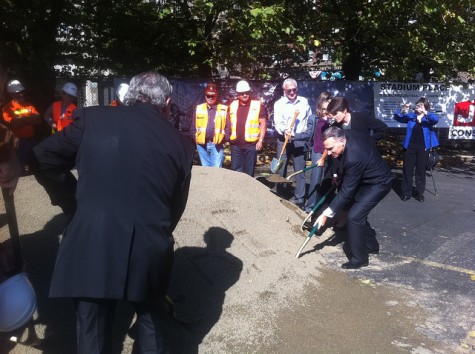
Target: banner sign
[454, 104]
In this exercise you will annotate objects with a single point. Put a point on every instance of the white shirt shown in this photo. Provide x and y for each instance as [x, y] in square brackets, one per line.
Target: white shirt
[284, 112]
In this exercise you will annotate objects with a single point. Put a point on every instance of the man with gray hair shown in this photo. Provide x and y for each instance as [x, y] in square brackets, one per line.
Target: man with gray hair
[288, 109]
[134, 173]
[366, 181]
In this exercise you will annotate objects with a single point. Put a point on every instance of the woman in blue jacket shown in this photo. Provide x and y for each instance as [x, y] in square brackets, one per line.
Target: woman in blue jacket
[420, 137]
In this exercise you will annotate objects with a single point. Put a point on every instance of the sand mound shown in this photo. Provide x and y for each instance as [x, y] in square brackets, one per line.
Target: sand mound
[236, 245]
[235, 264]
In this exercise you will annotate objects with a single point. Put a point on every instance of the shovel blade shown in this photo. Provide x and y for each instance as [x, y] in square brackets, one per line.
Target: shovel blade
[275, 165]
[275, 178]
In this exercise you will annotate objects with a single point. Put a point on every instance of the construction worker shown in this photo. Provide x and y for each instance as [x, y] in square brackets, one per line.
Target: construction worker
[248, 129]
[120, 93]
[212, 128]
[22, 119]
[60, 114]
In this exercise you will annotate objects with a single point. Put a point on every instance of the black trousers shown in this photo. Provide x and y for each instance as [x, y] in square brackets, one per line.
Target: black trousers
[95, 323]
[415, 158]
[361, 236]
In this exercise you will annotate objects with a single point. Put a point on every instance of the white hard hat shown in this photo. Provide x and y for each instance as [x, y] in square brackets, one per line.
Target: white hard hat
[243, 86]
[121, 91]
[14, 86]
[70, 89]
[17, 302]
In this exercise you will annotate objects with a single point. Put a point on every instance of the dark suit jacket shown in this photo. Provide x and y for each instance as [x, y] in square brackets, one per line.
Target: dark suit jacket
[134, 173]
[360, 164]
[366, 124]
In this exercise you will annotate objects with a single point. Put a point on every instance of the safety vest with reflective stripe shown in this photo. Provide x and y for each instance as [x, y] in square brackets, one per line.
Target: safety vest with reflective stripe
[252, 128]
[62, 121]
[202, 123]
[15, 110]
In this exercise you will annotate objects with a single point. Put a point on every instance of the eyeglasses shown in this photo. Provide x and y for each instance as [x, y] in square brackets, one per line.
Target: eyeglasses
[293, 90]
[209, 96]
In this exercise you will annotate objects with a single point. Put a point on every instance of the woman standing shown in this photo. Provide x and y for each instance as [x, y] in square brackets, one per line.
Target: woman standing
[420, 138]
[315, 127]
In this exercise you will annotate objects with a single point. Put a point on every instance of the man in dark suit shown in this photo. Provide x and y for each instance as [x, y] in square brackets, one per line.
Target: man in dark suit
[134, 173]
[338, 111]
[366, 181]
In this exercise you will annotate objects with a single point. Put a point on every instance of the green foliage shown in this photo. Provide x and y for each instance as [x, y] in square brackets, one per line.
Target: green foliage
[252, 39]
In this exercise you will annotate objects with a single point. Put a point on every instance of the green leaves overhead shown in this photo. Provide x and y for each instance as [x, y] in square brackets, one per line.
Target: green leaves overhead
[253, 39]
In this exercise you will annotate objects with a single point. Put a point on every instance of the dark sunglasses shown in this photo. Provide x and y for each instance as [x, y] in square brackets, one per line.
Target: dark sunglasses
[291, 90]
[210, 96]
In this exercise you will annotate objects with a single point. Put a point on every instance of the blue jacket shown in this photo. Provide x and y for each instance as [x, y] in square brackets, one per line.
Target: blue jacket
[428, 121]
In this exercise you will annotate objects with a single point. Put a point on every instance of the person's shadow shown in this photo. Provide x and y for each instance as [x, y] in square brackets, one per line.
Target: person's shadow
[56, 316]
[199, 282]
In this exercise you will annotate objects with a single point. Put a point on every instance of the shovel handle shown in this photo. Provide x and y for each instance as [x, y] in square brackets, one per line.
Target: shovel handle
[315, 228]
[314, 209]
[302, 170]
[287, 137]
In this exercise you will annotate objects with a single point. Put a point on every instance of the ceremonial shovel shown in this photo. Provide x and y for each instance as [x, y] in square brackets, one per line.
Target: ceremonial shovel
[322, 199]
[315, 228]
[279, 179]
[276, 164]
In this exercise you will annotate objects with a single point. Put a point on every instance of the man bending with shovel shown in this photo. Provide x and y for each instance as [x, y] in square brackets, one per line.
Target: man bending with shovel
[366, 181]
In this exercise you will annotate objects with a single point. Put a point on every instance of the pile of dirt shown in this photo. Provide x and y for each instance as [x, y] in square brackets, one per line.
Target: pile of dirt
[236, 282]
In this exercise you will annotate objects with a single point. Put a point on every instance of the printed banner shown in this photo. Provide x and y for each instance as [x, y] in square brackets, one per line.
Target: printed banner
[454, 104]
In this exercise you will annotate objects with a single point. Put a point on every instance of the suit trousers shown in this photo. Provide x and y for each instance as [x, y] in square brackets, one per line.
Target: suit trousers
[95, 319]
[361, 236]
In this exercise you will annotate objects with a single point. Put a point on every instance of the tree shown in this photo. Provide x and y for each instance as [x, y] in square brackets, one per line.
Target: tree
[252, 39]
[403, 37]
[28, 46]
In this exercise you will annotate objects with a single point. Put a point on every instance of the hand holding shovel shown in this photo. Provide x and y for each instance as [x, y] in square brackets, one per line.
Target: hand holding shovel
[276, 164]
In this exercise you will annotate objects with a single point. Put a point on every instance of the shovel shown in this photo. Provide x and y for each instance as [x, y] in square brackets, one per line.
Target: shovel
[315, 228]
[302, 170]
[276, 164]
[278, 179]
[322, 199]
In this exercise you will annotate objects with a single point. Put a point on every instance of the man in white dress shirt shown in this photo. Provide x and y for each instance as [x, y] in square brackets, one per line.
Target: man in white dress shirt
[284, 110]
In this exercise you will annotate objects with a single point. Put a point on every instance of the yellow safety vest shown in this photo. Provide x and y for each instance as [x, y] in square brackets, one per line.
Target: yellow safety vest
[202, 123]
[252, 129]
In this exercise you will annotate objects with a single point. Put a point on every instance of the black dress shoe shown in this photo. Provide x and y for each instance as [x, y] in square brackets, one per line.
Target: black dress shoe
[353, 265]
[405, 197]
[420, 198]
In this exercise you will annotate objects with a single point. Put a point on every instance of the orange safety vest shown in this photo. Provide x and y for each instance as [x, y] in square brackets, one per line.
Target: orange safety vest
[202, 123]
[252, 129]
[17, 110]
[62, 121]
